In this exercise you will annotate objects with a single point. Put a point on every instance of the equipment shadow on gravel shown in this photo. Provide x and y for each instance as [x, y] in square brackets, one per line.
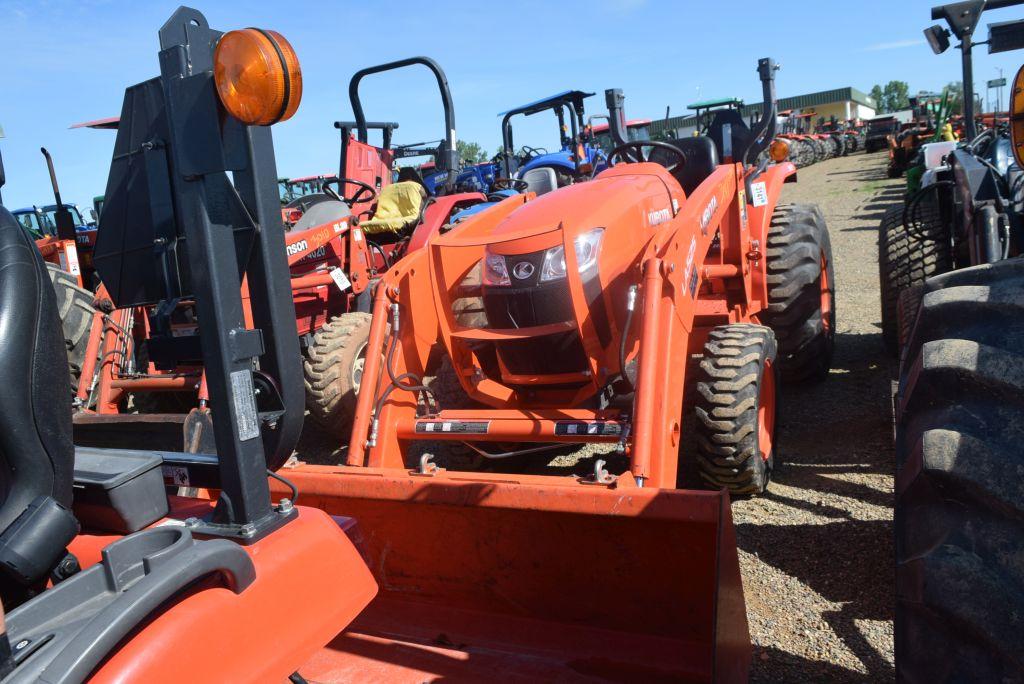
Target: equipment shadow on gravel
[780, 666]
[830, 466]
[820, 559]
[874, 211]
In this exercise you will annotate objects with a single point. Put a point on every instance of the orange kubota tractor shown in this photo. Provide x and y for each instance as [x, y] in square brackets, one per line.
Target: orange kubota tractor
[580, 318]
[574, 318]
[103, 576]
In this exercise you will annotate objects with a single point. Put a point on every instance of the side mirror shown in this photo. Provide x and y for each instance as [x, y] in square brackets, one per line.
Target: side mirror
[95, 217]
[1017, 117]
[938, 38]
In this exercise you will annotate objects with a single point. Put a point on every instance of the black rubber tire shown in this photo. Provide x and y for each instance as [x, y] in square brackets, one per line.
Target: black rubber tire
[726, 406]
[798, 243]
[74, 304]
[960, 496]
[904, 260]
[331, 373]
[907, 304]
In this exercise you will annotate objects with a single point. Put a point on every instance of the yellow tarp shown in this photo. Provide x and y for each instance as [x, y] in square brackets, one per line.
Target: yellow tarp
[398, 206]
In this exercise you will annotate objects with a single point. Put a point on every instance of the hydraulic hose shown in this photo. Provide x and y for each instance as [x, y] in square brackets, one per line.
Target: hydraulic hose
[630, 306]
[911, 205]
[417, 387]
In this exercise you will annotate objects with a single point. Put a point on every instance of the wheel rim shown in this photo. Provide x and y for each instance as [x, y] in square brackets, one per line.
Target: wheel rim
[826, 296]
[357, 368]
[766, 411]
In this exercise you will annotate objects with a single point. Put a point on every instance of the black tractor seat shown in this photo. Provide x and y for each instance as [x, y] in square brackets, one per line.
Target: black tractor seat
[36, 452]
[701, 160]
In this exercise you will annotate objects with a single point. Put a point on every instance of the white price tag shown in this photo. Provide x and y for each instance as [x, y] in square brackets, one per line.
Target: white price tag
[340, 279]
[758, 194]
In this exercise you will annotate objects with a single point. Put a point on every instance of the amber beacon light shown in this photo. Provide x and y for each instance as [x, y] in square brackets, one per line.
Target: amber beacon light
[1017, 117]
[258, 76]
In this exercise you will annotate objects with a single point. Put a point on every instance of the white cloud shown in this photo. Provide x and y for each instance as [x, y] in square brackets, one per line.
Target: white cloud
[895, 45]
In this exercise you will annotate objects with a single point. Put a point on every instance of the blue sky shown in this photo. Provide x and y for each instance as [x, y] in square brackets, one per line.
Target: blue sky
[69, 61]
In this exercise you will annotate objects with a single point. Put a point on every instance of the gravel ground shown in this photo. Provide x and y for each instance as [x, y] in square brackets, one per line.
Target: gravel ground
[816, 551]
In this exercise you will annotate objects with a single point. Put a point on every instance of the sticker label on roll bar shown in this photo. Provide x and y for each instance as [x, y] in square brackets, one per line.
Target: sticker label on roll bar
[589, 428]
[245, 405]
[455, 427]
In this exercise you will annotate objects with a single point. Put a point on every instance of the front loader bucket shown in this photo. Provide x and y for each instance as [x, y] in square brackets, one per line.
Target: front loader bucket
[534, 579]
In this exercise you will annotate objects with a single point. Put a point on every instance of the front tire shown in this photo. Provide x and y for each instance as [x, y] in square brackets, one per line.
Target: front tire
[801, 292]
[333, 369]
[74, 305]
[735, 408]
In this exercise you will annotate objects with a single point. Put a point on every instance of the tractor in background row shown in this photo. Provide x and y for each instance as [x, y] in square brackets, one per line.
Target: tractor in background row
[952, 273]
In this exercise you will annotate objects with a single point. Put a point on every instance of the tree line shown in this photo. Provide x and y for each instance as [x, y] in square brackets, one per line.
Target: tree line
[895, 96]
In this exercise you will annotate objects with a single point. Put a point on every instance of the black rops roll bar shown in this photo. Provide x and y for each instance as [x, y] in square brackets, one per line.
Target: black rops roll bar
[65, 222]
[572, 99]
[447, 158]
[617, 127]
[766, 127]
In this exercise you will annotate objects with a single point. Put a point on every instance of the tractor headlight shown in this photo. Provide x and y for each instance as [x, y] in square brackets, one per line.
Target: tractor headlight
[587, 246]
[495, 270]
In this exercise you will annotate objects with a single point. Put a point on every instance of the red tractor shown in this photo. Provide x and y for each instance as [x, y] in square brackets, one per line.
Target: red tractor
[147, 359]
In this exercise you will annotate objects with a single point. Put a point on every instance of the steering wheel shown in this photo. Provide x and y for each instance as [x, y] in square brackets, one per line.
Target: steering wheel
[622, 151]
[517, 184]
[531, 152]
[363, 189]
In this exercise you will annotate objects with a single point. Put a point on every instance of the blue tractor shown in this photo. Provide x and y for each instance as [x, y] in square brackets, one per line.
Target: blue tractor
[531, 167]
[577, 159]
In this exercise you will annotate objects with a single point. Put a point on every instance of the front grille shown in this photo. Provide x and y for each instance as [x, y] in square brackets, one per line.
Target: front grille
[525, 307]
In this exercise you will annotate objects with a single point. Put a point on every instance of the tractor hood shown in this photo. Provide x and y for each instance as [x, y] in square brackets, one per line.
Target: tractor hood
[633, 196]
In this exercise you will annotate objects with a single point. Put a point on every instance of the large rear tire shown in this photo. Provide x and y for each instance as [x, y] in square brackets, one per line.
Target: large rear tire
[735, 408]
[960, 495]
[801, 292]
[333, 369]
[904, 261]
[74, 304]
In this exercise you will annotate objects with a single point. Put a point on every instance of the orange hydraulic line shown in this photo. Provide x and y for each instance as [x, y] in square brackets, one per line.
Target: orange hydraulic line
[171, 383]
[371, 379]
[92, 352]
[713, 271]
[314, 280]
[647, 377]
[108, 397]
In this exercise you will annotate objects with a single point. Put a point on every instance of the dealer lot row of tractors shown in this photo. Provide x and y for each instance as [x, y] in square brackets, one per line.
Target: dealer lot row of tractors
[584, 298]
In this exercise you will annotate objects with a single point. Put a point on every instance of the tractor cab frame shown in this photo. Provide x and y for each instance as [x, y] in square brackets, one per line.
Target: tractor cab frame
[575, 155]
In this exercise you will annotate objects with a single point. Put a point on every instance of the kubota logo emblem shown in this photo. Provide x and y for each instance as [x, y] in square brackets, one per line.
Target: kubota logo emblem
[658, 216]
[522, 270]
[709, 213]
